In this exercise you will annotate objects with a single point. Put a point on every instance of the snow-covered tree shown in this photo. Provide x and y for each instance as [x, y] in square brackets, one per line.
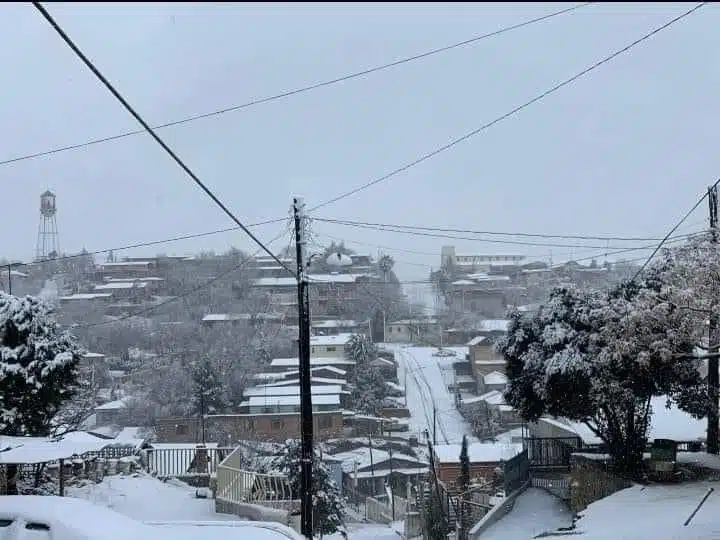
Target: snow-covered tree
[38, 366]
[599, 358]
[328, 503]
[360, 349]
[369, 390]
[209, 394]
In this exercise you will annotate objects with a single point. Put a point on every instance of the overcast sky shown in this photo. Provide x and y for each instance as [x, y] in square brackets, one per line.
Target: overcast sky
[625, 151]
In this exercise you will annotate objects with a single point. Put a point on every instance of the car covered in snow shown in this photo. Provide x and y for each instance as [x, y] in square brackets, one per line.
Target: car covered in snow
[31, 517]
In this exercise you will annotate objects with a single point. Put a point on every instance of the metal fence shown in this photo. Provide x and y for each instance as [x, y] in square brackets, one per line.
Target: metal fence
[516, 472]
[549, 452]
[183, 462]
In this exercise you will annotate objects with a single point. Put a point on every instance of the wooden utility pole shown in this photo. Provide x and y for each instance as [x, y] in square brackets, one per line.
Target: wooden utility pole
[713, 377]
[306, 415]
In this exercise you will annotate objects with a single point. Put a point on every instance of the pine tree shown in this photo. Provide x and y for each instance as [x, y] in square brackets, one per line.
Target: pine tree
[209, 392]
[328, 503]
[38, 366]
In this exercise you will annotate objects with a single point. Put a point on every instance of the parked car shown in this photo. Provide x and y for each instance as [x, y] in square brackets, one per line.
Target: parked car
[30, 517]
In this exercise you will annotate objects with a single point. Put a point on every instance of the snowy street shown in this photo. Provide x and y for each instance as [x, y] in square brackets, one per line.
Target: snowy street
[426, 389]
[535, 511]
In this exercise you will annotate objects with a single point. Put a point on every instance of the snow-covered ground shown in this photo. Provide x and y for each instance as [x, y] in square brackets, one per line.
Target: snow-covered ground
[425, 385]
[534, 512]
[148, 499]
[654, 512]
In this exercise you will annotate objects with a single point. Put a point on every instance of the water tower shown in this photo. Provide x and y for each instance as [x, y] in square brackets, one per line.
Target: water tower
[48, 240]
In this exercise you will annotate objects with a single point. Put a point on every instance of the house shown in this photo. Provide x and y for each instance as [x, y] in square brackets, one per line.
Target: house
[495, 380]
[86, 299]
[215, 319]
[329, 346]
[484, 459]
[270, 392]
[483, 358]
[125, 290]
[114, 412]
[331, 327]
[90, 360]
[468, 264]
[294, 380]
[367, 471]
[275, 426]
[288, 404]
[283, 365]
[131, 268]
[419, 330]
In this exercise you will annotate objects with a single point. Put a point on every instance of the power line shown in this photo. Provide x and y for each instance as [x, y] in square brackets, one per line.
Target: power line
[488, 233]
[140, 244]
[192, 291]
[670, 233]
[70, 43]
[301, 90]
[474, 239]
[509, 114]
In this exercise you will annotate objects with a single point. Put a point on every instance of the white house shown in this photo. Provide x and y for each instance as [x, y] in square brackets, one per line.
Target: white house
[329, 346]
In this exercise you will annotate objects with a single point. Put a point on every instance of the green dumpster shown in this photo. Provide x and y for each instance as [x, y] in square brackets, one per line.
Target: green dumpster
[663, 455]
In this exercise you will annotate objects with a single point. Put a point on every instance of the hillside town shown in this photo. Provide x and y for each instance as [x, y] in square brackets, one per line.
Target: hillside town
[460, 356]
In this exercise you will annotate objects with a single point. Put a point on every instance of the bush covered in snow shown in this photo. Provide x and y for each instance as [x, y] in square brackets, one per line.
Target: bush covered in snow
[38, 366]
[599, 358]
[328, 503]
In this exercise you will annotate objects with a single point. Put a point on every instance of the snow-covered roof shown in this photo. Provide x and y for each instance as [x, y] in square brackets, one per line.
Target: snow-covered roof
[132, 279]
[219, 317]
[85, 296]
[494, 325]
[336, 340]
[495, 377]
[415, 322]
[322, 381]
[477, 340]
[28, 450]
[365, 457]
[125, 263]
[478, 452]
[272, 391]
[113, 405]
[279, 401]
[335, 323]
[313, 278]
[331, 369]
[293, 362]
[93, 355]
[121, 285]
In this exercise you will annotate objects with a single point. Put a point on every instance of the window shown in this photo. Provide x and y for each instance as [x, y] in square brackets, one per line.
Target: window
[181, 429]
[250, 425]
[331, 349]
[278, 424]
[325, 421]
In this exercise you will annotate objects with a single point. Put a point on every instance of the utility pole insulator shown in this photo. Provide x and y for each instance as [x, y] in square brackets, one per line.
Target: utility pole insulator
[306, 491]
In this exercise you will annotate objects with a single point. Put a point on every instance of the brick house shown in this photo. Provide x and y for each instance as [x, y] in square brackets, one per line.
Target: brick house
[485, 458]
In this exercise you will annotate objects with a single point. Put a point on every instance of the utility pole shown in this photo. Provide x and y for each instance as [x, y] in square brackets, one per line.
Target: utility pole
[434, 424]
[306, 415]
[713, 376]
[202, 413]
[9, 266]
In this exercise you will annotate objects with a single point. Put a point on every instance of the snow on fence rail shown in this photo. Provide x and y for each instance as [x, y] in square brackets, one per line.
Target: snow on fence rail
[173, 461]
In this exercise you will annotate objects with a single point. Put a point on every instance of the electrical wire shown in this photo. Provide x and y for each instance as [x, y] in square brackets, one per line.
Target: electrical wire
[136, 245]
[70, 43]
[509, 114]
[671, 231]
[191, 292]
[491, 233]
[482, 240]
[304, 89]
